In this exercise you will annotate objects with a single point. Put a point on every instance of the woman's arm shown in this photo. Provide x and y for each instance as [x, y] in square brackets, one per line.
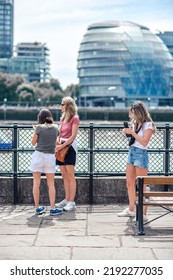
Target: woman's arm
[75, 129]
[142, 140]
[145, 139]
[35, 137]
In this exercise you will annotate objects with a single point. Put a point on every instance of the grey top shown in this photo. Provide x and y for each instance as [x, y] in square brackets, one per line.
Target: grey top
[47, 135]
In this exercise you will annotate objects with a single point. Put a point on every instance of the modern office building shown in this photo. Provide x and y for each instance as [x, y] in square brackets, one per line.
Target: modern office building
[28, 68]
[30, 60]
[119, 62]
[6, 28]
[167, 38]
[38, 53]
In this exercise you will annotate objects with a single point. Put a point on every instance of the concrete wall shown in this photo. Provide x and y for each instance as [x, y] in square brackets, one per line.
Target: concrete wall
[105, 190]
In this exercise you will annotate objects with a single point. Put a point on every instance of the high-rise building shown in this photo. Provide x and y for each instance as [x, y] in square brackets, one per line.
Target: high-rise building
[30, 60]
[37, 52]
[120, 62]
[6, 28]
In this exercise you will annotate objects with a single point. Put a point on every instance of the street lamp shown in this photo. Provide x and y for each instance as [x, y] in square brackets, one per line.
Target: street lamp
[112, 101]
[39, 101]
[5, 101]
[149, 99]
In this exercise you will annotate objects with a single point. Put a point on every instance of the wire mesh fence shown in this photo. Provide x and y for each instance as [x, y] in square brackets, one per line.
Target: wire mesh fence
[102, 150]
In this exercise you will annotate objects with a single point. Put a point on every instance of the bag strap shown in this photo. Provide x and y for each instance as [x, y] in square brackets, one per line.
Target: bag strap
[138, 129]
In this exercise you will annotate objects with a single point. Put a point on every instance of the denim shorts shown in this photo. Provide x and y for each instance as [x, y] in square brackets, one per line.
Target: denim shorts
[138, 157]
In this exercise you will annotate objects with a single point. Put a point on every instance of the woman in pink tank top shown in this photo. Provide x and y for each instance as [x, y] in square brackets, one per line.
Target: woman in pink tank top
[69, 126]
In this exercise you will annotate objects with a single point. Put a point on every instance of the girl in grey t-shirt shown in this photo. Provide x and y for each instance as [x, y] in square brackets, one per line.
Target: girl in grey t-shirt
[43, 159]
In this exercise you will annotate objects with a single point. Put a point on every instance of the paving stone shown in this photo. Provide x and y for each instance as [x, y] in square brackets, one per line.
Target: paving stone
[89, 233]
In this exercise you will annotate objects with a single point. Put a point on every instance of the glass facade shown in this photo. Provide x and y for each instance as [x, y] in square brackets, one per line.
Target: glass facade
[167, 38]
[123, 61]
[6, 28]
[31, 60]
[37, 52]
[29, 69]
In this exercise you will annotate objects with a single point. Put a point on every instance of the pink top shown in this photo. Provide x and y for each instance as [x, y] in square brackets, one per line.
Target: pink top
[66, 127]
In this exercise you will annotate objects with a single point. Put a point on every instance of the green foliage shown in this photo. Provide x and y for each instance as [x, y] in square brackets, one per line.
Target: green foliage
[9, 85]
[72, 90]
[16, 89]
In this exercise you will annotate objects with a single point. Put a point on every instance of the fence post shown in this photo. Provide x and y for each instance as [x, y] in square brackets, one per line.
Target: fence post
[15, 179]
[91, 146]
[167, 146]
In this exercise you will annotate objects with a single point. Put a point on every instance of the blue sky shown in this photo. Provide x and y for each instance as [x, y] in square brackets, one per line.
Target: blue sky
[61, 24]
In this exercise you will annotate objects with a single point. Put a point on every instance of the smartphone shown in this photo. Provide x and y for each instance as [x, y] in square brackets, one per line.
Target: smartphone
[126, 126]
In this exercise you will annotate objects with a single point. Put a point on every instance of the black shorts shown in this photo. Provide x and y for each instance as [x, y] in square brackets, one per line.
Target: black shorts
[70, 158]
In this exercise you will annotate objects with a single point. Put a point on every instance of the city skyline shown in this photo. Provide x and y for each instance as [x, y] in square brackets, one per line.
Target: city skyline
[62, 24]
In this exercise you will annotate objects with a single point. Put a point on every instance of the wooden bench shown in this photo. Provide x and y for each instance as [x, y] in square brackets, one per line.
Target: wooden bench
[156, 198]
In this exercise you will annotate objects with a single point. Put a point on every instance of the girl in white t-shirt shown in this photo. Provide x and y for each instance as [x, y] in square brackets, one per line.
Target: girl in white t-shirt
[137, 162]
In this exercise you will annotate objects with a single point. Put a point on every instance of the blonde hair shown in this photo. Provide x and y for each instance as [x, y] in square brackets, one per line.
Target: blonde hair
[70, 108]
[141, 115]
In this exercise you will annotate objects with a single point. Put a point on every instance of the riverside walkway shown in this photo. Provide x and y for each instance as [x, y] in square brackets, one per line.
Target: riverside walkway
[88, 233]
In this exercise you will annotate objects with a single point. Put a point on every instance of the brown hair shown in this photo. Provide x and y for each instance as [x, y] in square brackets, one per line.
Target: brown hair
[141, 115]
[45, 116]
[70, 108]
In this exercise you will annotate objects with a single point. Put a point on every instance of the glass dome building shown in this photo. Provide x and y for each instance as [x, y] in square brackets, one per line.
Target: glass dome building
[119, 62]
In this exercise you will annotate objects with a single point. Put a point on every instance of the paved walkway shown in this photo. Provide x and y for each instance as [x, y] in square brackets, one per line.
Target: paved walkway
[89, 233]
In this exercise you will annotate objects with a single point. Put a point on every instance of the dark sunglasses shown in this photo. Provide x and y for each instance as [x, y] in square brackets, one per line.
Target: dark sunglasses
[134, 106]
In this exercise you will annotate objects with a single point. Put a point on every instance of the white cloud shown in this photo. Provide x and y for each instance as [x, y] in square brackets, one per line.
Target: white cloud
[62, 23]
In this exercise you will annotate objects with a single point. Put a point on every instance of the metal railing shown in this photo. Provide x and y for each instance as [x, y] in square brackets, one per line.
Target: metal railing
[102, 150]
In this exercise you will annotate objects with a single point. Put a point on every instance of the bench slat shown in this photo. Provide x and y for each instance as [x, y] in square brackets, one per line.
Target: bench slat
[157, 193]
[159, 202]
[157, 180]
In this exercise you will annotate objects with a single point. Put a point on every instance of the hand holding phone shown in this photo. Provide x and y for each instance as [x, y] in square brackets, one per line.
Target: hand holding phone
[126, 126]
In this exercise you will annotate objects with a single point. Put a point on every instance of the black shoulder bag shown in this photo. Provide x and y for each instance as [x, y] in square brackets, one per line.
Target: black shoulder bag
[132, 139]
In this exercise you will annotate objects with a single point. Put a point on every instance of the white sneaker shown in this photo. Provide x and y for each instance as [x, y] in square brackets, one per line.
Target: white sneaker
[70, 206]
[61, 204]
[126, 213]
[147, 199]
[145, 219]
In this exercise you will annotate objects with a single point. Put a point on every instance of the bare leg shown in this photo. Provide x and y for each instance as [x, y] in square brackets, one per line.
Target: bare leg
[130, 181]
[36, 187]
[142, 172]
[67, 172]
[66, 182]
[71, 182]
[51, 187]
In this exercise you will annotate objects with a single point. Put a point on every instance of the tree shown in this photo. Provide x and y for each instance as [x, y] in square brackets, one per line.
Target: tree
[55, 84]
[8, 86]
[15, 88]
[72, 90]
[26, 92]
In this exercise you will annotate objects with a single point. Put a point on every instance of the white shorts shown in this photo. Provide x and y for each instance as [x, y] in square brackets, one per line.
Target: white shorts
[44, 163]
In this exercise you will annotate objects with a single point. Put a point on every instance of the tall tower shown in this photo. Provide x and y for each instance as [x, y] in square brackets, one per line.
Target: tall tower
[6, 28]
